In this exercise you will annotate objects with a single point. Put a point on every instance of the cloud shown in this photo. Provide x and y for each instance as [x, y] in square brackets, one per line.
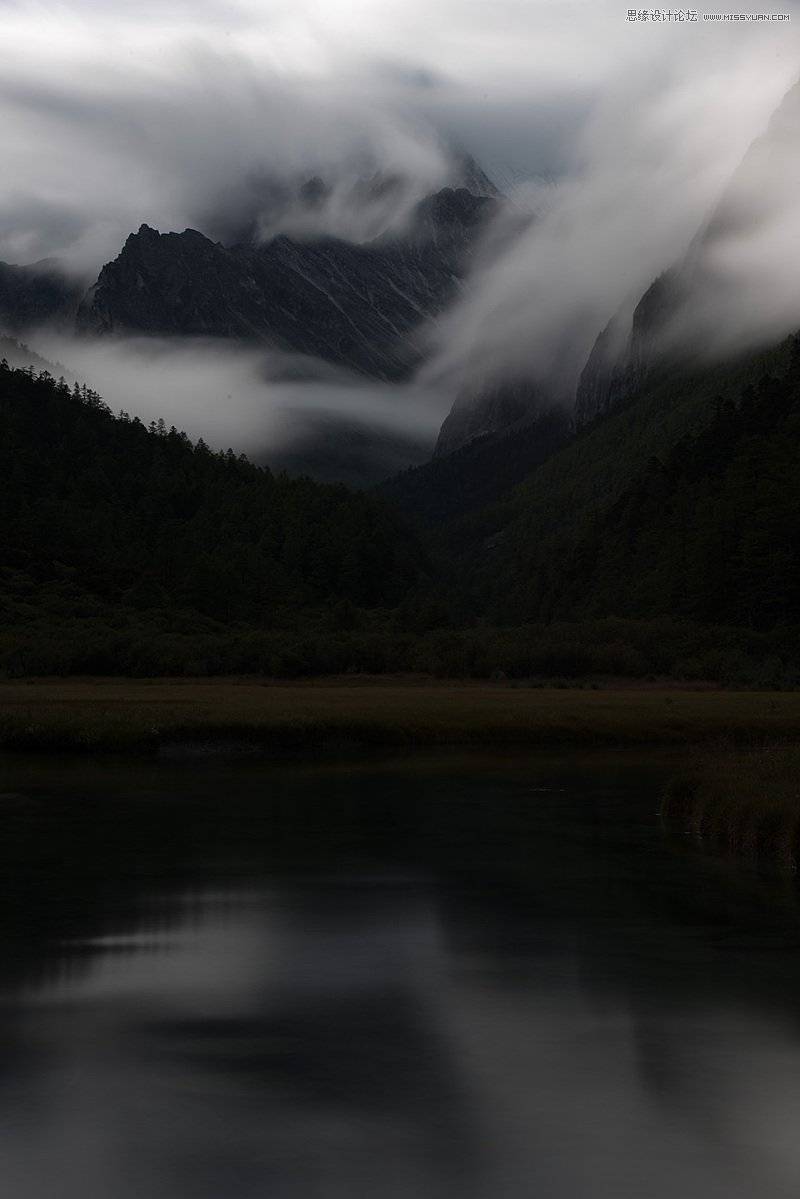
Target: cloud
[621, 135]
[740, 276]
[105, 123]
[112, 114]
[230, 395]
[31, 226]
[170, 148]
[649, 168]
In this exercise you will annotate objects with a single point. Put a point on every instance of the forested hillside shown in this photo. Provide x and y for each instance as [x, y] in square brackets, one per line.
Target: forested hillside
[516, 560]
[710, 530]
[477, 474]
[659, 541]
[101, 515]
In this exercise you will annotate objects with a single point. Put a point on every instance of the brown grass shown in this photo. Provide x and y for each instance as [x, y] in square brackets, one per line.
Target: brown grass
[96, 714]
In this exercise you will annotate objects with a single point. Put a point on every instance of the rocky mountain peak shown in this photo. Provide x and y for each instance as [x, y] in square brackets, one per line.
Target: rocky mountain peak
[352, 305]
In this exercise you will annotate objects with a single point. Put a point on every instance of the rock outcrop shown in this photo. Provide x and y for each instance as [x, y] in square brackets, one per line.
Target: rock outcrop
[492, 411]
[354, 305]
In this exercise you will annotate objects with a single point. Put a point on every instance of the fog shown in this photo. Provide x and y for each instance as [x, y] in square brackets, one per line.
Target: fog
[740, 275]
[651, 166]
[191, 115]
[249, 398]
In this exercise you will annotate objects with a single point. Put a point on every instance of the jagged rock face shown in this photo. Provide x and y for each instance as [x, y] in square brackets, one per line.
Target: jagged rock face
[627, 350]
[354, 305]
[36, 295]
[598, 386]
[495, 410]
[470, 175]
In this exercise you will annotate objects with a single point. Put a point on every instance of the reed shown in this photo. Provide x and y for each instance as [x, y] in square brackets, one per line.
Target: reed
[741, 804]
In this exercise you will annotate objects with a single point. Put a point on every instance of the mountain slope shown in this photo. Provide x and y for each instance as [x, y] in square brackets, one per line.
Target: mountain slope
[628, 350]
[99, 511]
[20, 356]
[721, 295]
[709, 531]
[477, 474]
[353, 305]
[493, 412]
[357, 202]
[36, 295]
[512, 560]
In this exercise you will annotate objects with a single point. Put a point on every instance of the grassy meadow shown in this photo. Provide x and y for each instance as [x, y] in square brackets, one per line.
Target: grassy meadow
[122, 714]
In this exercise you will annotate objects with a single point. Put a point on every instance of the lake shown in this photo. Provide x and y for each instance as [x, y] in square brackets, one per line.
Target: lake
[447, 975]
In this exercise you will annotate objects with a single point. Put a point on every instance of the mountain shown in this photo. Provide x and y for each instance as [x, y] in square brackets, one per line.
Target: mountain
[672, 502]
[477, 473]
[528, 556]
[719, 297]
[39, 294]
[118, 539]
[354, 305]
[717, 300]
[357, 305]
[470, 174]
[494, 411]
[628, 350]
[706, 529]
[17, 355]
[661, 539]
[652, 531]
[709, 531]
[357, 202]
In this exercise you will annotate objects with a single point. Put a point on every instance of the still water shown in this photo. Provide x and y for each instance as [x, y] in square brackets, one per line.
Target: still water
[446, 977]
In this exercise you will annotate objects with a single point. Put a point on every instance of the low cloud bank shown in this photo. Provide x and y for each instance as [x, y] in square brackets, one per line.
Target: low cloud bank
[253, 400]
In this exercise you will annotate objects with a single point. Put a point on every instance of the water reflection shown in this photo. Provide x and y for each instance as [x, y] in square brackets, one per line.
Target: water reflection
[443, 978]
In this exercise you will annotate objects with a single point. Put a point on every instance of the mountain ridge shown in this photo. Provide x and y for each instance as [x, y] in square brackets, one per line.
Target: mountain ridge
[354, 305]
